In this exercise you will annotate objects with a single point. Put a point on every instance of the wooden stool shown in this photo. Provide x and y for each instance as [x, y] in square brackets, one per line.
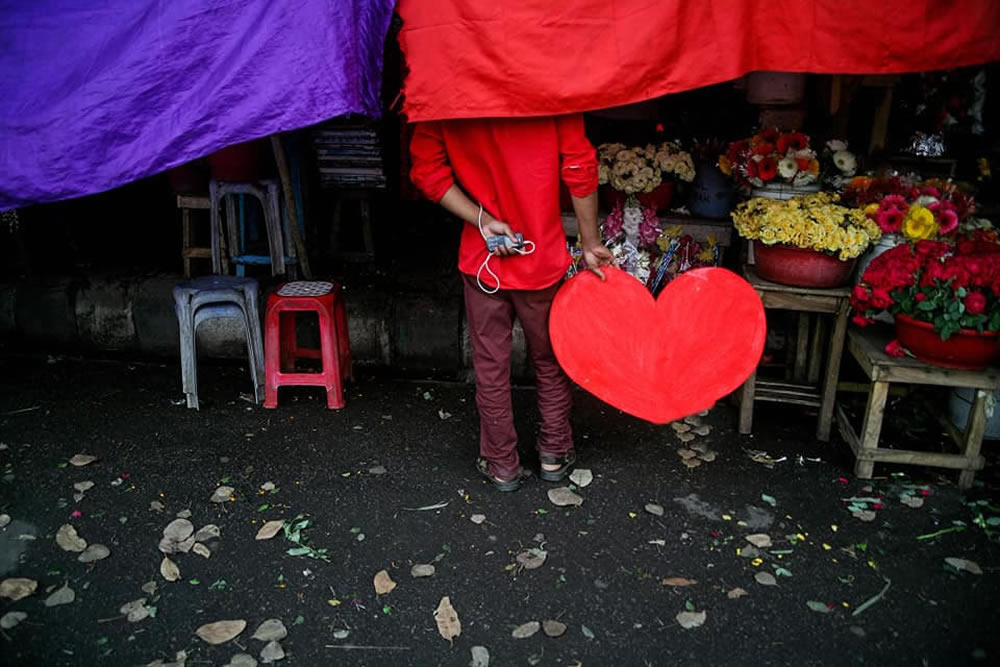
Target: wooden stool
[836, 302]
[187, 203]
[868, 347]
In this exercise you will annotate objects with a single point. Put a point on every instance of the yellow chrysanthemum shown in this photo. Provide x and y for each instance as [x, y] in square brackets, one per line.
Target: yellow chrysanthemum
[919, 223]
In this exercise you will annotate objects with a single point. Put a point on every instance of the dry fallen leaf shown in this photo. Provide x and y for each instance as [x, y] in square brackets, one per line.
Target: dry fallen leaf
[581, 477]
[82, 460]
[135, 611]
[654, 509]
[67, 538]
[477, 518]
[736, 593]
[149, 587]
[480, 657]
[222, 494]
[765, 579]
[864, 515]
[17, 588]
[553, 628]
[563, 497]
[448, 624]
[532, 559]
[272, 653]
[691, 619]
[11, 619]
[83, 486]
[269, 530]
[156, 506]
[169, 570]
[422, 570]
[679, 581]
[526, 630]
[180, 660]
[270, 630]
[178, 530]
[383, 583]
[759, 540]
[4, 520]
[94, 552]
[221, 632]
[964, 564]
[201, 550]
[64, 595]
[242, 660]
[207, 533]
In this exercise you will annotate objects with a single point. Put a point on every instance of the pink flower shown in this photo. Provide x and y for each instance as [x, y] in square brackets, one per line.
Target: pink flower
[76, 514]
[860, 320]
[895, 348]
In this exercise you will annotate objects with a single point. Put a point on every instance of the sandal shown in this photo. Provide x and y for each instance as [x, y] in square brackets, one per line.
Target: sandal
[483, 466]
[565, 463]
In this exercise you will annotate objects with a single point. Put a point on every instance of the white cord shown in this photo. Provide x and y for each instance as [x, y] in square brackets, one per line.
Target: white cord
[486, 262]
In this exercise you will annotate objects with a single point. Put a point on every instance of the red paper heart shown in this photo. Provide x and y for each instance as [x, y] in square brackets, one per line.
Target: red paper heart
[658, 360]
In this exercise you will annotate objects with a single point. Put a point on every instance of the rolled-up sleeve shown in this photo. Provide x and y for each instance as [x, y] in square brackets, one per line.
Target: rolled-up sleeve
[577, 156]
[430, 170]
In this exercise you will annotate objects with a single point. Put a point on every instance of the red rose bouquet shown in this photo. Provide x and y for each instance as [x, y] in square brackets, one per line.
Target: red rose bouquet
[952, 285]
[771, 157]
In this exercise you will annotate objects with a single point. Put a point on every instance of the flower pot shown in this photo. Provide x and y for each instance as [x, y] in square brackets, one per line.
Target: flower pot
[800, 267]
[784, 191]
[960, 405]
[966, 349]
[711, 193]
[658, 199]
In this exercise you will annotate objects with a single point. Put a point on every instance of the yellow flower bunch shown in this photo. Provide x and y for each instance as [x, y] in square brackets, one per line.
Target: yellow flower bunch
[815, 222]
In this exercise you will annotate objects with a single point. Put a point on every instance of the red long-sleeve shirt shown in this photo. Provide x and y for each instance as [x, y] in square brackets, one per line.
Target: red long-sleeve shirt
[511, 166]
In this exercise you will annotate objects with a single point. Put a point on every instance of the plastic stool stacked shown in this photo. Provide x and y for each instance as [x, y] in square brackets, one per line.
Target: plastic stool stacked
[279, 242]
[217, 297]
[326, 300]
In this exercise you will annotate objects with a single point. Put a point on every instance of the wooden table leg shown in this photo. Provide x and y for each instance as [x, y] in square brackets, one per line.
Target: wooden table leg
[973, 438]
[871, 429]
[746, 404]
[828, 394]
[816, 350]
[801, 348]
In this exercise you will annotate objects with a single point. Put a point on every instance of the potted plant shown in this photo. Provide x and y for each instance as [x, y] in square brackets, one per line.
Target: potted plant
[944, 296]
[773, 164]
[808, 241]
[643, 173]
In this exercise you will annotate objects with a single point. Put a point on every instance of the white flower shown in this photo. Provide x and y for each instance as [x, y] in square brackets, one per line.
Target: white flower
[787, 167]
[845, 161]
[836, 145]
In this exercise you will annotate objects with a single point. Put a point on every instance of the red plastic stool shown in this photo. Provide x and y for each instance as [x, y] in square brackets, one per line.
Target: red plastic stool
[281, 348]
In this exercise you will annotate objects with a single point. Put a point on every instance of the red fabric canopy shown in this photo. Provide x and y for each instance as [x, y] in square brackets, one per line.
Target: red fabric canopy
[481, 58]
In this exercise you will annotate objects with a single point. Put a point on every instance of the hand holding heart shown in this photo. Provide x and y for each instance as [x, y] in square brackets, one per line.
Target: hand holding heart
[661, 359]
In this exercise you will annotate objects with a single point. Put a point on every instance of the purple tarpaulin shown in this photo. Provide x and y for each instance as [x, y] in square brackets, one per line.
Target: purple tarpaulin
[98, 93]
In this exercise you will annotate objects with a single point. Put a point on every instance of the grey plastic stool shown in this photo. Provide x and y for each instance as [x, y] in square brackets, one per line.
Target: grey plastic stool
[218, 297]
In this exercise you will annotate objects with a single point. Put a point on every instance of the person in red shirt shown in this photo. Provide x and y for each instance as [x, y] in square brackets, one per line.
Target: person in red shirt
[501, 176]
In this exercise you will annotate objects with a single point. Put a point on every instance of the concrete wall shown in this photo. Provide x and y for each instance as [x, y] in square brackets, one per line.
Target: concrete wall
[410, 333]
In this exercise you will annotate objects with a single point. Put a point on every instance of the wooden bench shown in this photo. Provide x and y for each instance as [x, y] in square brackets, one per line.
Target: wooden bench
[868, 347]
[805, 387]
